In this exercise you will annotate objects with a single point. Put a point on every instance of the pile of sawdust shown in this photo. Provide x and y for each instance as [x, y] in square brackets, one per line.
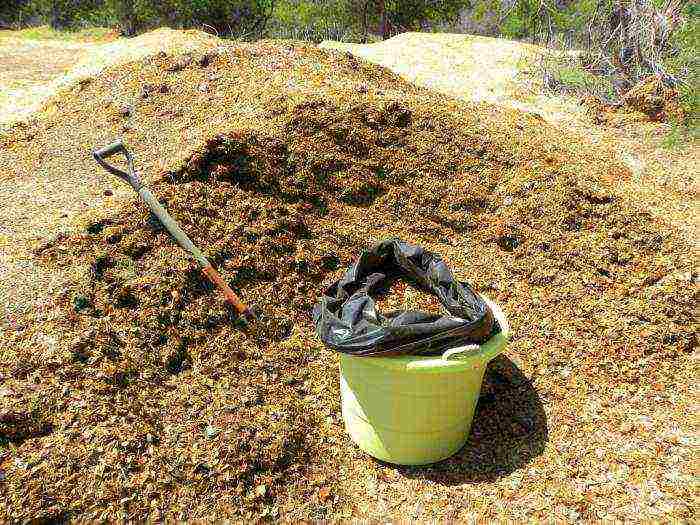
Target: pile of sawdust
[282, 161]
[478, 68]
[469, 67]
[648, 101]
[655, 100]
[17, 102]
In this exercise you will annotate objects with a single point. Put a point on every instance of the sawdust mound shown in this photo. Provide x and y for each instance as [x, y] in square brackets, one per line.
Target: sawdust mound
[88, 61]
[649, 100]
[283, 162]
[655, 100]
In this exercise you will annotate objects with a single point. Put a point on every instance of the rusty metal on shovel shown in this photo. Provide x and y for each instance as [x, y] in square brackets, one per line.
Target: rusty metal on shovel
[131, 177]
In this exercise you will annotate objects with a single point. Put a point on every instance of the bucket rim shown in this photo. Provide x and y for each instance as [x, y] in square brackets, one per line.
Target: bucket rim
[438, 364]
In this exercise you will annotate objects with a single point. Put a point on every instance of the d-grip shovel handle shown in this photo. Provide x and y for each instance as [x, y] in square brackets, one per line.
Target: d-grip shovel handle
[166, 220]
[112, 149]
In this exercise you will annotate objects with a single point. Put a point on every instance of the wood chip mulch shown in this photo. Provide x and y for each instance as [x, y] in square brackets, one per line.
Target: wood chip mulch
[136, 395]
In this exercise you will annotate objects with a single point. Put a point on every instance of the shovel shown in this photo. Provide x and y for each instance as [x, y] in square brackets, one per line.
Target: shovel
[130, 176]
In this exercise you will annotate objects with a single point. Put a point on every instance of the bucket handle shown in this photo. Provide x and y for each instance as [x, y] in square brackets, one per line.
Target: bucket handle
[467, 349]
[463, 352]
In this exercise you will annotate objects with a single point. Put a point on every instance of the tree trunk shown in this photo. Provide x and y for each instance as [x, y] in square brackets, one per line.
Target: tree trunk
[55, 19]
[364, 7]
[383, 22]
[127, 17]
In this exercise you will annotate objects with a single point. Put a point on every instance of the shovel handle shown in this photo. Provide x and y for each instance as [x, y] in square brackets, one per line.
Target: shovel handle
[229, 295]
[186, 244]
[170, 224]
[109, 150]
[129, 176]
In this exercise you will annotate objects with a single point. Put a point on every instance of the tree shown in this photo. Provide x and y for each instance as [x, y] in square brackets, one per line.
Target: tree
[62, 14]
[225, 17]
[409, 15]
[396, 16]
[125, 12]
[11, 12]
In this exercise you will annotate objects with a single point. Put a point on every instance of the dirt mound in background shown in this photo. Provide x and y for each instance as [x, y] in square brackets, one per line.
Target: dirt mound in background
[283, 161]
[30, 83]
[655, 100]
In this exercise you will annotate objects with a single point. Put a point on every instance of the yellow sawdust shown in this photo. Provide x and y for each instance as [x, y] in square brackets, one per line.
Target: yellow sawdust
[32, 71]
[474, 68]
[506, 73]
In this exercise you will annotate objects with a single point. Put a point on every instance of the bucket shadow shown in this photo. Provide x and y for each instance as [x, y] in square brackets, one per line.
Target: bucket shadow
[509, 430]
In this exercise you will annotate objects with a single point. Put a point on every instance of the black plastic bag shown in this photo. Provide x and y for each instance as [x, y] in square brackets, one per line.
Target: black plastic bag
[347, 320]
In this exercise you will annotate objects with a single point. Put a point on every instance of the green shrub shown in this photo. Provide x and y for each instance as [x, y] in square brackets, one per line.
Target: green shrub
[70, 14]
[683, 63]
[313, 21]
[623, 44]
[226, 17]
[411, 14]
[12, 13]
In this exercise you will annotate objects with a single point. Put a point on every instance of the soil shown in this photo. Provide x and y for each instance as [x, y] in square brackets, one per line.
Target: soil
[25, 71]
[134, 394]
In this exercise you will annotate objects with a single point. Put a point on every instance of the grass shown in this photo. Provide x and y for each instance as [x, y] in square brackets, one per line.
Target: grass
[575, 77]
[682, 134]
[564, 73]
[88, 34]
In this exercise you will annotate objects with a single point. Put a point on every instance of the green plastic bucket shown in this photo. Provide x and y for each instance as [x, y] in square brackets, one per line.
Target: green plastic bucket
[413, 410]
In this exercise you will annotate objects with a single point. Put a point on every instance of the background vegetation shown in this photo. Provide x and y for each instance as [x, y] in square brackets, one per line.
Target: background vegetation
[617, 43]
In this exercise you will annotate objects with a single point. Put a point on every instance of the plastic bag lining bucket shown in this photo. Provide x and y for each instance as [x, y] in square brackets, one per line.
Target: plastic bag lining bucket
[416, 410]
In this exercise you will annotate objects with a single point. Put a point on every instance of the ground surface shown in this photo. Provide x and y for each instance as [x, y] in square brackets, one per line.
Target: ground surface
[27, 67]
[585, 447]
[506, 73]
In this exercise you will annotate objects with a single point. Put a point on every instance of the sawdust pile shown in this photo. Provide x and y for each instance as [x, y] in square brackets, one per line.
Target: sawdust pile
[282, 162]
[657, 101]
[84, 61]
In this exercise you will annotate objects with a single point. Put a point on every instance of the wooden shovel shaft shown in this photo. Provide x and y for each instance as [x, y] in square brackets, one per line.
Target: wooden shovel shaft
[184, 241]
[229, 295]
[173, 227]
[131, 177]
